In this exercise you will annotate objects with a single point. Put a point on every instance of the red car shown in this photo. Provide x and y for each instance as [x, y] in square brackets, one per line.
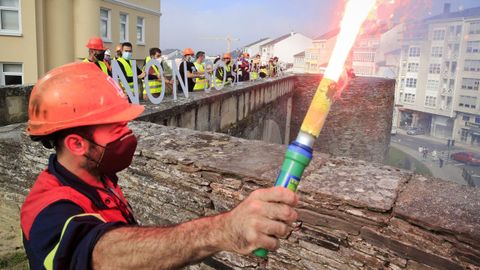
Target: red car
[467, 158]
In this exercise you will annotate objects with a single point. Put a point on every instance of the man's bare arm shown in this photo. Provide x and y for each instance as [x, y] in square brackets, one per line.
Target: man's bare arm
[158, 248]
[257, 222]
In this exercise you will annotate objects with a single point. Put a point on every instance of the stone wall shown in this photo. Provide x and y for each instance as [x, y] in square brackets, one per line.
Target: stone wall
[14, 103]
[242, 111]
[359, 122]
[356, 215]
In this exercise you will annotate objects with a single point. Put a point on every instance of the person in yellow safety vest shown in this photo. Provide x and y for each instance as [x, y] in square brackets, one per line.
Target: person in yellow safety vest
[108, 59]
[200, 83]
[96, 54]
[126, 64]
[255, 68]
[263, 73]
[154, 77]
[227, 59]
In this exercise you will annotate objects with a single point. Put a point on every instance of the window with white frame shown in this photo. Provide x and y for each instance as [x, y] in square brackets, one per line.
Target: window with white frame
[412, 67]
[123, 27]
[11, 74]
[433, 85]
[451, 30]
[470, 84]
[451, 85]
[434, 69]
[453, 67]
[474, 28]
[414, 52]
[467, 102]
[437, 52]
[105, 24]
[411, 82]
[472, 65]
[140, 30]
[409, 98]
[439, 34]
[458, 30]
[10, 17]
[430, 101]
[473, 46]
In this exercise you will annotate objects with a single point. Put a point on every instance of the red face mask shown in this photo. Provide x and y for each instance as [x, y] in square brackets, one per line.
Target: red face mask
[117, 155]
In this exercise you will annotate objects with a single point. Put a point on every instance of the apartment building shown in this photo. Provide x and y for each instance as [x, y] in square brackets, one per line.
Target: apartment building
[377, 51]
[318, 54]
[439, 79]
[38, 35]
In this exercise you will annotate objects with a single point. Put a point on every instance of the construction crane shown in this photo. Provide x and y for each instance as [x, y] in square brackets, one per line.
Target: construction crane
[228, 39]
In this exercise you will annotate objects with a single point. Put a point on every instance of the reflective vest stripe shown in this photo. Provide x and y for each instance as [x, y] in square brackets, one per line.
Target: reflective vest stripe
[155, 85]
[48, 262]
[102, 65]
[199, 83]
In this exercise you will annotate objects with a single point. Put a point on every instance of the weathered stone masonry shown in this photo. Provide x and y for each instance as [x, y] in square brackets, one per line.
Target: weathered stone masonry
[358, 124]
[357, 215]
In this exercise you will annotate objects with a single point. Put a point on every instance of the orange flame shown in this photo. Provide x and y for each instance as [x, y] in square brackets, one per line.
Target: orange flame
[356, 11]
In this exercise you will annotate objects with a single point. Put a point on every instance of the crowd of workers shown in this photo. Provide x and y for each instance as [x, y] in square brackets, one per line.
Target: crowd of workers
[241, 68]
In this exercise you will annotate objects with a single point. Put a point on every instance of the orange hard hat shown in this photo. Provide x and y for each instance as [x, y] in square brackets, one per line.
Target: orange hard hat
[227, 55]
[74, 95]
[246, 54]
[96, 43]
[188, 51]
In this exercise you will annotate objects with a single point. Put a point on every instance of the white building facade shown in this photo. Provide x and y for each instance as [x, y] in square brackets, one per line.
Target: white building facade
[254, 48]
[285, 47]
[439, 79]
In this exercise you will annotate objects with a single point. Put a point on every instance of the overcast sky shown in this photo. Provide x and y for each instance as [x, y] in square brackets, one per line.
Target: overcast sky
[191, 23]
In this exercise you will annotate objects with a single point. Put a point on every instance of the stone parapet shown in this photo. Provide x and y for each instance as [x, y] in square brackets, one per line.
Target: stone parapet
[356, 214]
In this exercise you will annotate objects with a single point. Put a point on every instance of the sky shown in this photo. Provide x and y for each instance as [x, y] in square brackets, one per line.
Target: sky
[195, 23]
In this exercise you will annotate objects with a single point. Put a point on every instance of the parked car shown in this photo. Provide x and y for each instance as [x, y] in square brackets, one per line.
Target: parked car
[467, 158]
[415, 131]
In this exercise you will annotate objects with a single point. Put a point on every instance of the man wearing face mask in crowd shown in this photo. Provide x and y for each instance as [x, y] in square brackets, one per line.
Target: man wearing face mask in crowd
[76, 216]
[108, 59]
[96, 54]
[192, 72]
[154, 76]
[126, 64]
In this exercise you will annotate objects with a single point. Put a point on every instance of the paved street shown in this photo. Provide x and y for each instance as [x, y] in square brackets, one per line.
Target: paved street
[452, 170]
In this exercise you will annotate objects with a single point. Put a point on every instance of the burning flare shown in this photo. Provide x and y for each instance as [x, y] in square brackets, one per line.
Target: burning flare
[356, 12]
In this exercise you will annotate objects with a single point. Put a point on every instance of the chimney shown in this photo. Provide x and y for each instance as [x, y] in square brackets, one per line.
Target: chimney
[446, 8]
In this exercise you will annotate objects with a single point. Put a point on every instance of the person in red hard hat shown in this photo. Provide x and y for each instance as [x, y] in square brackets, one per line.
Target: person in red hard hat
[76, 216]
[96, 54]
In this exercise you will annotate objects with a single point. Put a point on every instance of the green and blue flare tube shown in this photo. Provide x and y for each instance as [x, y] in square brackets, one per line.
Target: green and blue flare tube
[297, 158]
